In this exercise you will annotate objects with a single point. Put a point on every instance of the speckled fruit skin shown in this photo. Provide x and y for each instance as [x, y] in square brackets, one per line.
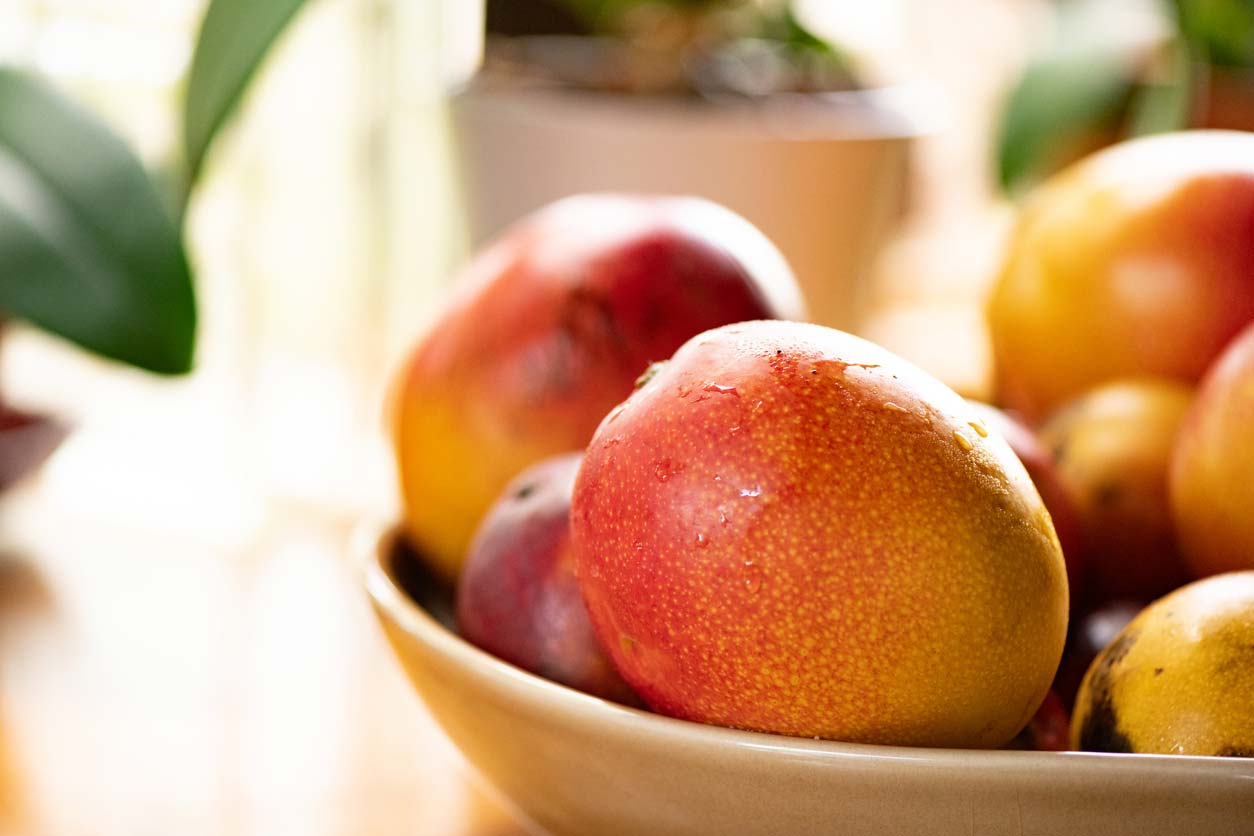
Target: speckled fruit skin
[550, 328]
[1041, 467]
[1179, 679]
[518, 597]
[1137, 261]
[790, 529]
[1112, 448]
[1212, 469]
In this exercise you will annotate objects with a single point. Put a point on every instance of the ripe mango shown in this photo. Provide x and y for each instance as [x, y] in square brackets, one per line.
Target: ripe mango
[1041, 465]
[1112, 448]
[1179, 679]
[549, 328]
[1212, 468]
[1137, 261]
[518, 597]
[790, 529]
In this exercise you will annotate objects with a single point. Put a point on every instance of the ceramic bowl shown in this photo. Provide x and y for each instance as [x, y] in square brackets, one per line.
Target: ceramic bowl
[575, 764]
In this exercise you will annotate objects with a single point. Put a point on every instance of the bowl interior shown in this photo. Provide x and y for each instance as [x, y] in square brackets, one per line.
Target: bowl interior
[426, 590]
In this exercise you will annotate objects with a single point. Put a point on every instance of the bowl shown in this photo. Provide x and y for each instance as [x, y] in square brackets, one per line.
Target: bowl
[575, 764]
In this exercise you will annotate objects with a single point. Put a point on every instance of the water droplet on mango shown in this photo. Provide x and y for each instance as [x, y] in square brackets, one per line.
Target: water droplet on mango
[753, 577]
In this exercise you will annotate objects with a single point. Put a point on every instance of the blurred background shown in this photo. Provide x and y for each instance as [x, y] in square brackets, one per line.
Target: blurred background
[184, 646]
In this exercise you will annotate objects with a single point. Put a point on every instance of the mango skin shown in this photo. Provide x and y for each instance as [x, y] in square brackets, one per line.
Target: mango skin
[549, 328]
[789, 529]
[518, 597]
[1112, 448]
[1043, 469]
[1179, 679]
[1137, 261]
[1212, 467]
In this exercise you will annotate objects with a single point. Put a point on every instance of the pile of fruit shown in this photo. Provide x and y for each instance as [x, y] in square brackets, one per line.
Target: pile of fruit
[788, 529]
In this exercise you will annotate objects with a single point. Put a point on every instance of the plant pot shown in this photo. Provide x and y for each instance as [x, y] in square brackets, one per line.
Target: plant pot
[823, 175]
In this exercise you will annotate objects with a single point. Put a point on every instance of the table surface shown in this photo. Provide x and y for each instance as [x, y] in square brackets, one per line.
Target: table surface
[185, 646]
[149, 684]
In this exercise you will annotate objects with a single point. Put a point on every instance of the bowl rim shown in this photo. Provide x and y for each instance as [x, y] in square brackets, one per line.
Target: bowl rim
[375, 548]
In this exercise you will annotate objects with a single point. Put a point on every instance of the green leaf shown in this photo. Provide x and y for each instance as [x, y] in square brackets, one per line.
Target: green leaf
[235, 36]
[1060, 102]
[1222, 30]
[784, 27]
[86, 249]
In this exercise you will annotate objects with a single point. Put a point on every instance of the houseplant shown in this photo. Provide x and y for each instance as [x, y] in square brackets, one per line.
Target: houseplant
[1092, 84]
[91, 243]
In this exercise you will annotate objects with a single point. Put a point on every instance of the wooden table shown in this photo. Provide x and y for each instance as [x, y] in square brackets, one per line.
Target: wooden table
[183, 652]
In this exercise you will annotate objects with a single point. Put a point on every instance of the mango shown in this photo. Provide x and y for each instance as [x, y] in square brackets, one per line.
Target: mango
[1039, 462]
[1137, 261]
[1112, 448]
[549, 328]
[1179, 679]
[518, 597]
[1212, 467]
[789, 529]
